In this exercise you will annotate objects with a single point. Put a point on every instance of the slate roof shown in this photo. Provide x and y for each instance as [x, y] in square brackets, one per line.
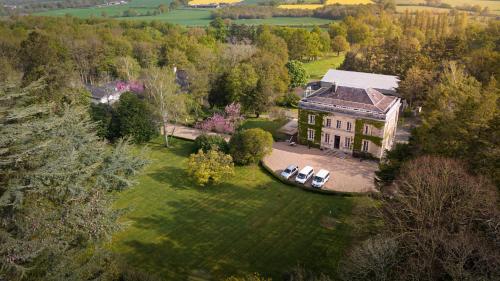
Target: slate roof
[107, 89]
[350, 100]
[386, 84]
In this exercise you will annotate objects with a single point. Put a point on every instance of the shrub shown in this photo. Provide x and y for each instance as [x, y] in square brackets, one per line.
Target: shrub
[211, 167]
[250, 146]
[206, 142]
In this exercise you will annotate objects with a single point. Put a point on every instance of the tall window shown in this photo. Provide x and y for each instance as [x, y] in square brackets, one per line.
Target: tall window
[327, 138]
[366, 129]
[328, 122]
[310, 134]
[347, 142]
[349, 126]
[339, 124]
[365, 146]
[312, 119]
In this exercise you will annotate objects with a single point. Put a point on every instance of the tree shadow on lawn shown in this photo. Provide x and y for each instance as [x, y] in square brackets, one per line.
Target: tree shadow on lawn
[174, 177]
[231, 230]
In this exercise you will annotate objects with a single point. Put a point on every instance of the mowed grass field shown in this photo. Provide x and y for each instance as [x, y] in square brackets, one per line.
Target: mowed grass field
[318, 68]
[251, 223]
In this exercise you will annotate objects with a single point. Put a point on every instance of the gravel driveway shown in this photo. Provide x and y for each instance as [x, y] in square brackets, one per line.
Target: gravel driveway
[346, 175]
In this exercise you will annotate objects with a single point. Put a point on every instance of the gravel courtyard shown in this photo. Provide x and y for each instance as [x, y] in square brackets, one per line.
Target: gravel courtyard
[346, 175]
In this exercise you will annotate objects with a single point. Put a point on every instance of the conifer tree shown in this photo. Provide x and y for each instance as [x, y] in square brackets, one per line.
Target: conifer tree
[56, 179]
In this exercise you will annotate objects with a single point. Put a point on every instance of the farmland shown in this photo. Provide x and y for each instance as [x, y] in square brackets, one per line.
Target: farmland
[328, 2]
[182, 16]
[413, 5]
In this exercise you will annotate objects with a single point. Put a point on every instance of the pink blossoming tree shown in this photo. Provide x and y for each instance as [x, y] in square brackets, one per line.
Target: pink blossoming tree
[223, 123]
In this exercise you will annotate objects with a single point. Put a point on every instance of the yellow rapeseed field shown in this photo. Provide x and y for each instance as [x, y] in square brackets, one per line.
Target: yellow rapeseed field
[206, 2]
[328, 2]
[301, 6]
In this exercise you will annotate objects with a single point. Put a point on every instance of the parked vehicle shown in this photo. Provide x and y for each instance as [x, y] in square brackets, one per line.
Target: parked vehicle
[305, 174]
[321, 178]
[290, 171]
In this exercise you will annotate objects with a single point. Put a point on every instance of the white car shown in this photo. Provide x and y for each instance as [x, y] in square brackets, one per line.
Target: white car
[290, 171]
[321, 178]
[305, 174]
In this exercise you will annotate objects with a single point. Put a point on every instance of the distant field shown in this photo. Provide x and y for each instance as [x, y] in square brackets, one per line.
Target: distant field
[184, 16]
[493, 5]
[328, 2]
[316, 69]
[206, 2]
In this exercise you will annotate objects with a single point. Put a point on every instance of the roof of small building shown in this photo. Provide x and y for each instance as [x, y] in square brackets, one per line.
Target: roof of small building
[355, 98]
[104, 90]
[383, 83]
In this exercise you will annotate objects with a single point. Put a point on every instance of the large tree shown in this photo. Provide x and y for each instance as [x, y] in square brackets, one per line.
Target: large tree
[133, 118]
[162, 91]
[297, 73]
[56, 179]
[441, 223]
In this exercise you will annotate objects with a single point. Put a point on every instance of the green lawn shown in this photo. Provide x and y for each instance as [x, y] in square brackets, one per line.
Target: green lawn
[252, 223]
[318, 68]
[271, 126]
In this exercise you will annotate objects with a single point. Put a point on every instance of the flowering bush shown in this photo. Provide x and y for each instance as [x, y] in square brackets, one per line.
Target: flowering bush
[133, 86]
[223, 123]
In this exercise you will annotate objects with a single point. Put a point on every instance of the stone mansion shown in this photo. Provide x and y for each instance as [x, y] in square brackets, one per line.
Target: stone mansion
[353, 112]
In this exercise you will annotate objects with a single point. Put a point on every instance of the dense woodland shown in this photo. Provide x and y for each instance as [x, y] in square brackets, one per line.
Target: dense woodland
[56, 166]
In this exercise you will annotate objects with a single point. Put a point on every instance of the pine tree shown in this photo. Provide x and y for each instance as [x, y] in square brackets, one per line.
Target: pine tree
[55, 182]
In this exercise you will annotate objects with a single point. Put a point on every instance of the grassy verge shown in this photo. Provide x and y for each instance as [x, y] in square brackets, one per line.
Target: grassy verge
[251, 223]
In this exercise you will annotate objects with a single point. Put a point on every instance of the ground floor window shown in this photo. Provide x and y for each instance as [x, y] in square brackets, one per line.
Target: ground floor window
[347, 142]
[327, 138]
[365, 146]
[310, 134]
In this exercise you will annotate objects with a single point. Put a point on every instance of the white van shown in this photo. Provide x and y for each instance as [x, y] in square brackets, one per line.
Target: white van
[321, 178]
[305, 174]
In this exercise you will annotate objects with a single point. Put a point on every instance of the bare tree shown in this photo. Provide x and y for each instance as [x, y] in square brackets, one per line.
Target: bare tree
[441, 223]
[162, 90]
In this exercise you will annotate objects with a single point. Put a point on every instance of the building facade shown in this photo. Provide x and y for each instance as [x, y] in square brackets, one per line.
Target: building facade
[347, 114]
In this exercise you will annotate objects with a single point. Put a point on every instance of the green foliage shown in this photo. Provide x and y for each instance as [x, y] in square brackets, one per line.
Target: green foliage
[458, 119]
[304, 125]
[250, 146]
[340, 44]
[289, 99]
[56, 180]
[133, 118]
[297, 73]
[129, 117]
[210, 167]
[359, 136]
[102, 114]
[206, 142]
[219, 29]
